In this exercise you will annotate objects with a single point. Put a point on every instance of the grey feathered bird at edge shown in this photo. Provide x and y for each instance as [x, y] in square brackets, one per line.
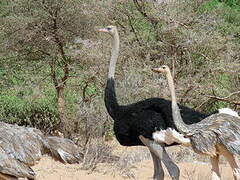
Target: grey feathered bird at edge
[22, 147]
[218, 134]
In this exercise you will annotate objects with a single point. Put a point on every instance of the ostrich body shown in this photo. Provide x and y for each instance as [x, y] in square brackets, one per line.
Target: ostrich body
[22, 147]
[218, 134]
[134, 124]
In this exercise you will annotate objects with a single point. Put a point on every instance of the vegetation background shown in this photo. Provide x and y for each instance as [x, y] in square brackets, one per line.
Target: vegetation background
[53, 63]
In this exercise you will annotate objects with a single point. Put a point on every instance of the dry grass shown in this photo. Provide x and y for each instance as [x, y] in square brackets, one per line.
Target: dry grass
[96, 152]
[110, 158]
[126, 164]
[115, 160]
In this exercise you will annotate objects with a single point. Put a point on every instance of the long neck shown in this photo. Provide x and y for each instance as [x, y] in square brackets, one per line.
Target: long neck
[114, 55]
[110, 93]
[178, 121]
[110, 98]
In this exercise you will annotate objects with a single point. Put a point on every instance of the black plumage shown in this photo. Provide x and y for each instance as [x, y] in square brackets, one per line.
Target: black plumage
[143, 117]
[134, 124]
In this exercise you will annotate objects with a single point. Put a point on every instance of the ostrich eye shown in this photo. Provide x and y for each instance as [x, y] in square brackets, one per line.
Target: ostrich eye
[164, 67]
[108, 28]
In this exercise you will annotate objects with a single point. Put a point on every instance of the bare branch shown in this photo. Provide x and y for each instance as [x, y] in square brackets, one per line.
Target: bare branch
[154, 21]
[226, 99]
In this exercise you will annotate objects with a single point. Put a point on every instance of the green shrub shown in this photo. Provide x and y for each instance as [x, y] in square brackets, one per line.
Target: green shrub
[41, 113]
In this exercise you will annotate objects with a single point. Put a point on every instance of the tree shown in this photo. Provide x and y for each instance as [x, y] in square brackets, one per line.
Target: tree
[45, 31]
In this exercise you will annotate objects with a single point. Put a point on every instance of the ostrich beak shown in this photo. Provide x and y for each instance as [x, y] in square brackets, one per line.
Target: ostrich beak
[102, 30]
[158, 70]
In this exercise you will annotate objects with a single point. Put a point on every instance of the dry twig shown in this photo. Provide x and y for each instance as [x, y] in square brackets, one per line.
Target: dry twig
[226, 99]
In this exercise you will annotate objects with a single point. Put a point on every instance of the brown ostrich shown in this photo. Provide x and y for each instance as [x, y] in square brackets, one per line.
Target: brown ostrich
[23, 147]
[218, 134]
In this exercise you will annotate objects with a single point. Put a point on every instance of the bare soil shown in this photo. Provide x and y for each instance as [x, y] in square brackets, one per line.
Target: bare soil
[49, 169]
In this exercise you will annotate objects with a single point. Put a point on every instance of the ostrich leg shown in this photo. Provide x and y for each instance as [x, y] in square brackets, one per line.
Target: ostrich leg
[161, 154]
[172, 168]
[234, 163]
[215, 168]
[157, 151]
[156, 164]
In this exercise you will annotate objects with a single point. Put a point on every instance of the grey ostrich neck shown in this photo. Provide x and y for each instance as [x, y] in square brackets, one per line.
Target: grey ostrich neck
[114, 55]
[178, 121]
[110, 93]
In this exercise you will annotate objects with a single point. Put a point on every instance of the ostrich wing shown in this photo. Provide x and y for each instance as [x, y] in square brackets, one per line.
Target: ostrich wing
[64, 150]
[228, 132]
[216, 129]
[21, 147]
[23, 144]
[10, 166]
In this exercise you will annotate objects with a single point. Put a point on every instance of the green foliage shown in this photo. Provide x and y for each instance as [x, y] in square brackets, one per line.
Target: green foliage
[208, 6]
[138, 22]
[3, 4]
[44, 33]
[199, 39]
[72, 99]
[91, 90]
[214, 4]
[13, 106]
[232, 3]
[229, 11]
[40, 113]
[198, 60]
[224, 80]
[213, 105]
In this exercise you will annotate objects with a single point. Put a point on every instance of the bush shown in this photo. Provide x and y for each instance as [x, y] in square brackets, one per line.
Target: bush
[199, 40]
[41, 114]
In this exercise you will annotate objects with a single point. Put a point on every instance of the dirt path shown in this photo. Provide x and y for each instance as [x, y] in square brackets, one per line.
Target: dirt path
[48, 169]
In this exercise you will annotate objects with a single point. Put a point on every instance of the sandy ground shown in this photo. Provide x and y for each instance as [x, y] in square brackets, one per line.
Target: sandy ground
[49, 169]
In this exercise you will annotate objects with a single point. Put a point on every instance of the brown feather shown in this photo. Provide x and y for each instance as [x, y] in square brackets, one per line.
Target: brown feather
[22, 147]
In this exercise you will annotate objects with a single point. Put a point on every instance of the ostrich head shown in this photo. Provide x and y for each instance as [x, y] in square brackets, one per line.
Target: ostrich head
[109, 29]
[163, 69]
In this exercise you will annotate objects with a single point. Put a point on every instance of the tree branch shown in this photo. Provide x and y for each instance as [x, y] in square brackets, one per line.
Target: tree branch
[140, 8]
[226, 99]
[61, 50]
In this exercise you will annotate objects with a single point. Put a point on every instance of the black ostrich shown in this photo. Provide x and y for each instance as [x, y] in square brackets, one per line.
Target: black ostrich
[134, 124]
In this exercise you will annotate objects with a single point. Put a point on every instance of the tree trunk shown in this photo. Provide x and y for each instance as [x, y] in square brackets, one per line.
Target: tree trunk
[61, 107]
